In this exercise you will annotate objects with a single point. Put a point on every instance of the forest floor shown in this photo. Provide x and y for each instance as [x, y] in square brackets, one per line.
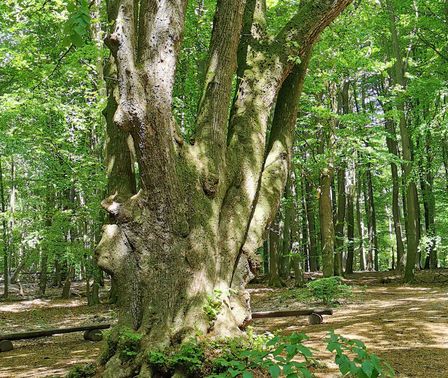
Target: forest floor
[405, 325]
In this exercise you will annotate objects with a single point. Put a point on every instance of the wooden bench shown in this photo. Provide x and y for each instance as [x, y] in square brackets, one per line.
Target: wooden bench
[91, 333]
[314, 315]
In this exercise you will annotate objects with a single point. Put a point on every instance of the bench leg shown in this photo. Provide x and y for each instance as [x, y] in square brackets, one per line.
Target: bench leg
[93, 335]
[315, 319]
[6, 346]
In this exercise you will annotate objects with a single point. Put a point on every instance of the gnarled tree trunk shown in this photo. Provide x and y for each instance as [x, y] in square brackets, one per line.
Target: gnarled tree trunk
[202, 209]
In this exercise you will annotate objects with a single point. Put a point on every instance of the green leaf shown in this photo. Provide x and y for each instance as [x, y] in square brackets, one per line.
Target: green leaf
[275, 371]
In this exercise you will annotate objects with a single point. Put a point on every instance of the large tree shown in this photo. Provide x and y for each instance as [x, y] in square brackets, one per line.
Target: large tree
[203, 207]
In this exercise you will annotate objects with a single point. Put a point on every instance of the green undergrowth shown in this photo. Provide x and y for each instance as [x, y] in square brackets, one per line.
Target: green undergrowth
[331, 291]
[243, 357]
[125, 342]
[82, 371]
[273, 356]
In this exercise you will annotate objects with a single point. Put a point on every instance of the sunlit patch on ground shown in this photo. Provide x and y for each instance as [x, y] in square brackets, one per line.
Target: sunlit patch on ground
[407, 326]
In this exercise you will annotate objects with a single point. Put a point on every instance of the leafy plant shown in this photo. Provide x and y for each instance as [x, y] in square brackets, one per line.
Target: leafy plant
[128, 344]
[329, 290]
[82, 371]
[363, 364]
[234, 357]
[213, 305]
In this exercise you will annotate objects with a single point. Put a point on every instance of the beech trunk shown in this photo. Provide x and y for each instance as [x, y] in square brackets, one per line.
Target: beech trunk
[203, 209]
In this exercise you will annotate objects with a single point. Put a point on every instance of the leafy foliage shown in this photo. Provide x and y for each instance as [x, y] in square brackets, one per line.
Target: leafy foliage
[329, 290]
[238, 357]
[82, 371]
[363, 364]
[213, 305]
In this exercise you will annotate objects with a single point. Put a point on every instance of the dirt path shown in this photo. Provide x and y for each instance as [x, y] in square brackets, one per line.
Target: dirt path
[407, 326]
[49, 356]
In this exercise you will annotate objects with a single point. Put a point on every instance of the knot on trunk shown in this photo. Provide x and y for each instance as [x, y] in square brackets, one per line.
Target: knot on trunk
[122, 119]
[112, 42]
[210, 184]
[123, 212]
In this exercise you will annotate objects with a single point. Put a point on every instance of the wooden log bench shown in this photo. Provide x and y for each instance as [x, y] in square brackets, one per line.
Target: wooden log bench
[314, 315]
[91, 332]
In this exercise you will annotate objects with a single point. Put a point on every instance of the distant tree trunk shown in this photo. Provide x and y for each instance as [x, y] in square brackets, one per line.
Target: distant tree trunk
[360, 224]
[57, 280]
[68, 283]
[373, 217]
[305, 239]
[392, 146]
[340, 222]
[298, 258]
[411, 196]
[311, 222]
[427, 187]
[5, 235]
[274, 254]
[266, 256]
[351, 190]
[287, 225]
[370, 232]
[326, 222]
[343, 108]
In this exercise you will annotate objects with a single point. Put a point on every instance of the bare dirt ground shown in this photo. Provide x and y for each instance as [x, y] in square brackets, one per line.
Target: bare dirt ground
[49, 356]
[405, 325]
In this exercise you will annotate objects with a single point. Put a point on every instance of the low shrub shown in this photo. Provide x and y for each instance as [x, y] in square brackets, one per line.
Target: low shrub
[82, 371]
[329, 290]
[235, 357]
[125, 341]
[362, 364]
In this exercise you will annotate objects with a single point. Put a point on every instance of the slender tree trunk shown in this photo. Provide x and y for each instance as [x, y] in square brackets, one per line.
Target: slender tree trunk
[5, 235]
[371, 197]
[305, 239]
[340, 222]
[274, 254]
[287, 225]
[427, 184]
[368, 210]
[326, 222]
[360, 224]
[68, 283]
[298, 257]
[351, 190]
[411, 197]
[311, 222]
[392, 146]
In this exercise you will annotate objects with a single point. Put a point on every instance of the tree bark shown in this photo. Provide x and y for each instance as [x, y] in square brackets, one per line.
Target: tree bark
[194, 214]
[274, 254]
[411, 197]
[360, 224]
[351, 190]
[326, 222]
[5, 235]
[392, 146]
[311, 222]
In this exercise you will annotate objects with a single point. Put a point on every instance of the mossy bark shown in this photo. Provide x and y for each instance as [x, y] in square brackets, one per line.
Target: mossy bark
[188, 232]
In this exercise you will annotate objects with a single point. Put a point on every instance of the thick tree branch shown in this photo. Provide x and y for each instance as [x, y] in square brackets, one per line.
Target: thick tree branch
[278, 160]
[267, 68]
[214, 106]
[130, 110]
